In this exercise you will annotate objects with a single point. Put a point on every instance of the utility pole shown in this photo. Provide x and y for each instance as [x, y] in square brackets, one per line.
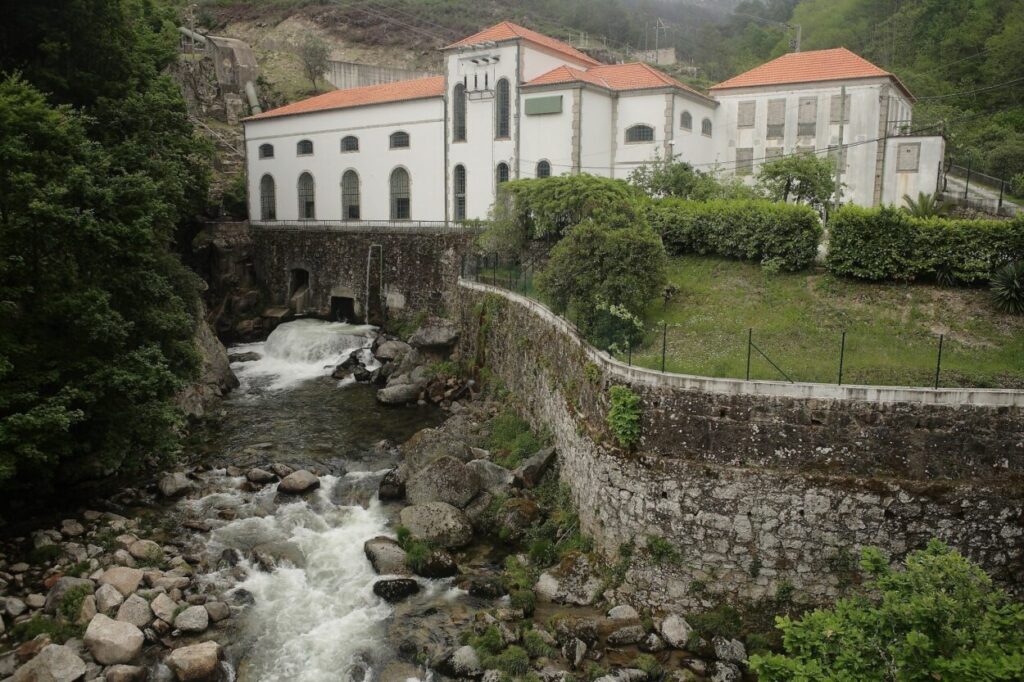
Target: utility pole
[840, 160]
[796, 43]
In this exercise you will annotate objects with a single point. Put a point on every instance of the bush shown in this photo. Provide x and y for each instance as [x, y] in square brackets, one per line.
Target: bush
[662, 551]
[624, 415]
[525, 600]
[513, 661]
[535, 645]
[511, 439]
[939, 619]
[1008, 288]
[889, 244]
[721, 621]
[786, 235]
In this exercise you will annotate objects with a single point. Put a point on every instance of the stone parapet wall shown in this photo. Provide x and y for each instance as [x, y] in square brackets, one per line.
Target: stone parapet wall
[755, 489]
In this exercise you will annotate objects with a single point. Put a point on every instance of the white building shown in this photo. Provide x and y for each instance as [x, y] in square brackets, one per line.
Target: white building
[513, 103]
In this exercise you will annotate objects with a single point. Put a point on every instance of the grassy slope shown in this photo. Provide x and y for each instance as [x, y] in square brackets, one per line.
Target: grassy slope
[892, 330]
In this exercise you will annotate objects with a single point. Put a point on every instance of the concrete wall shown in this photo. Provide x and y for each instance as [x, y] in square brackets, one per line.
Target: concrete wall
[692, 145]
[896, 183]
[548, 136]
[597, 117]
[757, 483]
[352, 75]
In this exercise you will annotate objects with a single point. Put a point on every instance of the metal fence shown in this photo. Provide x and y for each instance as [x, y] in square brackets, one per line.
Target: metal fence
[653, 353]
[415, 226]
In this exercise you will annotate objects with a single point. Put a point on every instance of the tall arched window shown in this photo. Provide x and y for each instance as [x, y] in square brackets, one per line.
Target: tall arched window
[400, 197]
[502, 107]
[350, 143]
[705, 127]
[268, 198]
[543, 169]
[266, 151]
[686, 121]
[399, 140]
[640, 133]
[304, 148]
[350, 195]
[459, 185]
[459, 113]
[307, 197]
[501, 173]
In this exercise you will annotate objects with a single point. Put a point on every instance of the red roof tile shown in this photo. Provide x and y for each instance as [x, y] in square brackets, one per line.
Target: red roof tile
[506, 30]
[618, 77]
[809, 67]
[398, 91]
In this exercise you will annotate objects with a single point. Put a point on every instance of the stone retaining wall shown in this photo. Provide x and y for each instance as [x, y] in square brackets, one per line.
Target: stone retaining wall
[756, 486]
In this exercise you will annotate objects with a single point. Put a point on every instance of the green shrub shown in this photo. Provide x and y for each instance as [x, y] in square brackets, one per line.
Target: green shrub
[785, 235]
[889, 244]
[488, 642]
[512, 439]
[417, 553]
[650, 665]
[71, 602]
[1008, 288]
[525, 600]
[58, 631]
[662, 551]
[45, 554]
[624, 415]
[721, 621]
[513, 661]
[535, 645]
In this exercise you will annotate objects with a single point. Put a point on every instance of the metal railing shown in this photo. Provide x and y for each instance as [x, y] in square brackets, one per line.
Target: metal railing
[417, 226]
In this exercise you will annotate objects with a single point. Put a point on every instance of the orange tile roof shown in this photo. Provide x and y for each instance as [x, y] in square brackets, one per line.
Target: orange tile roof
[506, 30]
[398, 91]
[809, 67]
[618, 77]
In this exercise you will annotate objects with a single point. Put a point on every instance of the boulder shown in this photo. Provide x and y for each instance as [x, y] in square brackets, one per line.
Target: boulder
[386, 556]
[446, 479]
[574, 651]
[71, 527]
[439, 564]
[630, 634]
[163, 607]
[14, 607]
[530, 471]
[676, 631]
[392, 486]
[135, 610]
[126, 673]
[196, 663]
[108, 598]
[623, 612]
[399, 394]
[493, 478]
[218, 611]
[55, 663]
[123, 579]
[585, 629]
[435, 333]
[146, 550]
[726, 672]
[391, 350]
[461, 663]
[652, 644]
[260, 476]
[193, 619]
[484, 587]
[427, 445]
[516, 517]
[729, 650]
[113, 641]
[60, 588]
[439, 523]
[174, 485]
[573, 581]
[395, 589]
[87, 610]
[298, 483]
[244, 357]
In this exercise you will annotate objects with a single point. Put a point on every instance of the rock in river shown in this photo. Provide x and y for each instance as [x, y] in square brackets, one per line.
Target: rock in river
[386, 556]
[113, 641]
[395, 589]
[298, 482]
[446, 479]
[439, 523]
[173, 485]
[196, 663]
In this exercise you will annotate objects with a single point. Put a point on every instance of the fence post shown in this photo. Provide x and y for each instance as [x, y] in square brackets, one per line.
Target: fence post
[750, 341]
[494, 269]
[938, 362]
[629, 354]
[967, 184]
[842, 352]
[1002, 186]
[664, 338]
[462, 267]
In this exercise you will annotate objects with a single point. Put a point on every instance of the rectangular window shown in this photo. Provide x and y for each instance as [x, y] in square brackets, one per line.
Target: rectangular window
[807, 117]
[837, 102]
[772, 153]
[536, 106]
[908, 155]
[744, 161]
[776, 119]
[745, 114]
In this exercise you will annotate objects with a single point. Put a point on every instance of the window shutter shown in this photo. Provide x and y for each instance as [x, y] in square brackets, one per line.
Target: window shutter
[807, 117]
[745, 114]
[776, 118]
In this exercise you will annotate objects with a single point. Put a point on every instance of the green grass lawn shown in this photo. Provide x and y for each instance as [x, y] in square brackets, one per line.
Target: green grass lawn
[892, 330]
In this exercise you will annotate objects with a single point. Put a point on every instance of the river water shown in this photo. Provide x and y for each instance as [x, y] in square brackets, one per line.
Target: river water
[313, 617]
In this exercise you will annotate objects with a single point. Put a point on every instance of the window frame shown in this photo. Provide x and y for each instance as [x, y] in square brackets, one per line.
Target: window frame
[502, 110]
[707, 128]
[459, 197]
[497, 174]
[312, 195]
[391, 140]
[261, 151]
[392, 194]
[298, 148]
[746, 113]
[349, 151]
[639, 127]
[686, 121]
[346, 196]
[459, 113]
[547, 166]
[775, 129]
[803, 126]
[268, 210]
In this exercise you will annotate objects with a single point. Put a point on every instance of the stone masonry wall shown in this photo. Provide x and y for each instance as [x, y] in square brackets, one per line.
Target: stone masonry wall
[757, 491]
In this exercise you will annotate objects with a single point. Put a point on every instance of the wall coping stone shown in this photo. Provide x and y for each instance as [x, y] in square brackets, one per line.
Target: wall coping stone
[979, 397]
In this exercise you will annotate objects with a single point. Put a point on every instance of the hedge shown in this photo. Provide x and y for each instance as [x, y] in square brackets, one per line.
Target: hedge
[785, 235]
[887, 243]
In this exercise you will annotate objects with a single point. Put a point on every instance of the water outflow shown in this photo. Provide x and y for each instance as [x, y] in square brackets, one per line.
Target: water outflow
[298, 351]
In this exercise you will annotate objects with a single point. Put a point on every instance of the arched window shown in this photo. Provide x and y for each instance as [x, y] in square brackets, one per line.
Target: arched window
[502, 109]
[501, 173]
[304, 148]
[459, 113]
[705, 127]
[399, 140]
[400, 198]
[543, 169]
[307, 197]
[640, 133]
[350, 143]
[266, 151]
[268, 198]
[686, 121]
[459, 185]
[350, 195]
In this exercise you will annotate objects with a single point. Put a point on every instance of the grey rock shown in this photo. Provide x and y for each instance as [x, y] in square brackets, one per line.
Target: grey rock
[71, 528]
[124, 579]
[391, 350]
[193, 619]
[729, 650]
[435, 333]
[87, 610]
[174, 485]
[163, 607]
[392, 486]
[623, 612]
[35, 601]
[55, 663]
[196, 663]
[298, 482]
[581, 628]
[438, 522]
[446, 479]
[108, 598]
[395, 589]
[726, 672]
[676, 631]
[113, 641]
[462, 663]
[385, 555]
[399, 394]
[493, 478]
[135, 610]
[14, 607]
[146, 550]
[571, 582]
[60, 588]
[574, 652]
[530, 472]
[126, 673]
[218, 611]
[260, 476]
[631, 634]
[652, 644]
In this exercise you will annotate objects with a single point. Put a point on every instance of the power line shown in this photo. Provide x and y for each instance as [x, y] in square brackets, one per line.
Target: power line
[971, 92]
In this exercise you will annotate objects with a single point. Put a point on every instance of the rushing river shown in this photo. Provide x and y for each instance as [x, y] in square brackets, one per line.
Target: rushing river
[313, 617]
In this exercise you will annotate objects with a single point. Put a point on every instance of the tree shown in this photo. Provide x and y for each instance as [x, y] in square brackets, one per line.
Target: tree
[313, 53]
[938, 619]
[668, 178]
[924, 206]
[806, 178]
